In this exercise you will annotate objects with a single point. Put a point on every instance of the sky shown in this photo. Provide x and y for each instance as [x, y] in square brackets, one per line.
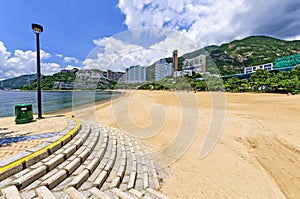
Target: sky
[115, 34]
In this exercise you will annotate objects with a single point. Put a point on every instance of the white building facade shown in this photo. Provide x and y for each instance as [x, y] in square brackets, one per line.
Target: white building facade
[253, 69]
[196, 64]
[136, 74]
[162, 69]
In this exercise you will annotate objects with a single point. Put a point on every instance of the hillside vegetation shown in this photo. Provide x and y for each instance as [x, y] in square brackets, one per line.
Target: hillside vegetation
[17, 82]
[47, 81]
[233, 57]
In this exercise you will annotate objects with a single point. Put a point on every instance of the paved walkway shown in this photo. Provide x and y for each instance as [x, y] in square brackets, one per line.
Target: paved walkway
[86, 160]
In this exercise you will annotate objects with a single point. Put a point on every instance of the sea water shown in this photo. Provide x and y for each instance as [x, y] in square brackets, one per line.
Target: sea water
[51, 100]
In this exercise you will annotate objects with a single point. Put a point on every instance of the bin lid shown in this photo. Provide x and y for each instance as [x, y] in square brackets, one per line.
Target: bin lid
[23, 105]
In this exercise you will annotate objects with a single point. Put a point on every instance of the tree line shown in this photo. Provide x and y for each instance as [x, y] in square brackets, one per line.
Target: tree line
[260, 81]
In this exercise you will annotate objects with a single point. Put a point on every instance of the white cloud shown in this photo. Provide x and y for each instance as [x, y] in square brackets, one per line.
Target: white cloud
[141, 47]
[71, 59]
[293, 38]
[50, 68]
[3, 54]
[59, 55]
[24, 62]
[70, 67]
[215, 21]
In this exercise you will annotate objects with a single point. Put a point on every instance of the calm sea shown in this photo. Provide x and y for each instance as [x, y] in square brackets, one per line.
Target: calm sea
[51, 101]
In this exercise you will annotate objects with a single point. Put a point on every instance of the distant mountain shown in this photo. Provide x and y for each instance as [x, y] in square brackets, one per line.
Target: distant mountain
[233, 57]
[17, 82]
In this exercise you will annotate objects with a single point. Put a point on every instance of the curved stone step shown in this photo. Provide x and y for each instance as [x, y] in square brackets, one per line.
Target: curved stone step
[98, 161]
[73, 161]
[32, 176]
[18, 162]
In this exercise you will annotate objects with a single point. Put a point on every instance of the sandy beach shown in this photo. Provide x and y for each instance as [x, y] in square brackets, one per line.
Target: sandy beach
[257, 153]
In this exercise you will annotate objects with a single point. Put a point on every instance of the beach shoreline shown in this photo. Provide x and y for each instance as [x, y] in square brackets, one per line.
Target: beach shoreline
[256, 154]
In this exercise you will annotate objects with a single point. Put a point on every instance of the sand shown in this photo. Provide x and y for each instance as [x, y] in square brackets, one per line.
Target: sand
[256, 155]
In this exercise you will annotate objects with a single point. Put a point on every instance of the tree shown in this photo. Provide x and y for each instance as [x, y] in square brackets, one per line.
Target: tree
[259, 78]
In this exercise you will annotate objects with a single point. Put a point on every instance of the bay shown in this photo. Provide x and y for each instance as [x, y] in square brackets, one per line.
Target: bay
[52, 101]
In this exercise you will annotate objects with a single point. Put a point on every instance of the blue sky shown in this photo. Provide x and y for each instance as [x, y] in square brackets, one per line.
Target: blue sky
[72, 29]
[69, 25]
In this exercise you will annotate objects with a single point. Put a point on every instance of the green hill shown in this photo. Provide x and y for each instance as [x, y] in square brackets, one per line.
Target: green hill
[233, 57]
[17, 82]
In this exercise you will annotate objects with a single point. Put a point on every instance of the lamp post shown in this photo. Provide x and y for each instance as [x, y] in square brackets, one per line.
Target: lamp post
[38, 29]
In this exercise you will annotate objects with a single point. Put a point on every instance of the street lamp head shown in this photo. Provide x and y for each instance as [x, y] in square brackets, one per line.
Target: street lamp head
[37, 28]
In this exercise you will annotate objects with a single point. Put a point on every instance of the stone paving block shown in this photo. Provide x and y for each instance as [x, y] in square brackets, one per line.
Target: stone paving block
[86, 194]
[156, 194]
[109, 165]
[30, 177]
[101, 179]
[44, 193]
[11, 192]
[70, 168]
[69, 151]
[125, 179]
[28, 194]
[79, 151]
[104, 144]
[115, 182]
[79, 179]
[78, 143]
[5, 182]
[55, 179]
[133, 157]
[83, 156]
[147, 196]
[61, 194]
[100, 154]
[131, 149]
[52, 163]
[21, 173]
[62, 185]
[64, 147]
[145, 168]
[133, 166]
[92, 165]
[139, 184]
[49, 174]
[79, 170]
[74, 194]
[13, 158]
[155, 179]
[121, 194]
[146, 180]
[48, 158]
[124, 155]
[136, 193]
[99, 193]
[63, 164]
[94, 175]
[123, 162]
[36, 158]
[121, 171]
[55, 147]
[85, 186]
[36, 165]
[32, 185]
[131, 182]
[123, 187]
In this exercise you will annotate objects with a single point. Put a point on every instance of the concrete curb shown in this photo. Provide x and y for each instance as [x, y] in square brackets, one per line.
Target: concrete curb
[17, 163]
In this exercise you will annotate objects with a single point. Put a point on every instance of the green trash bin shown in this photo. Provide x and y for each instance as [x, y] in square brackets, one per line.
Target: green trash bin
[23, 113]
